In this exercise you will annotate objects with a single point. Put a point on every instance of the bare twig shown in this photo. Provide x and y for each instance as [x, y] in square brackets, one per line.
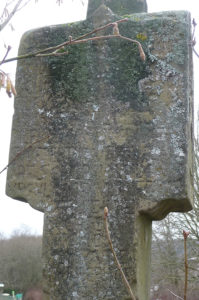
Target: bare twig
[175, 295]
[196, 53]
[11, 14]
[21, 7]
[52, 51]
[193, 42]
[23, 151]
[185, 235]
[103, 37]
[7, 51]
[115, 256]
[101, 28]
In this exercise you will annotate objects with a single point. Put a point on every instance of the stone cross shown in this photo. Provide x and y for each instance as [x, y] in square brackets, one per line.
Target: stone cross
[111, 130]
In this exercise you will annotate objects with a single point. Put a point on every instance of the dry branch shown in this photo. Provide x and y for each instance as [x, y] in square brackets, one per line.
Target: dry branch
[185, 235]
[175, 295]
[115, 256]
[10, 14]
[53, 51]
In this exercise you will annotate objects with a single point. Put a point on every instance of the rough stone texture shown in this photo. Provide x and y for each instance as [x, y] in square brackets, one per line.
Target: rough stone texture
[120, 136]
[119, 7]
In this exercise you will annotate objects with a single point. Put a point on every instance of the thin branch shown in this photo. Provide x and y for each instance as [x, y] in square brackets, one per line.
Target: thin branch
[103, 37]
[175, 295]
[23, 151]
[101, 28]
[7, 51]
[196, 53]
[191, 223]
[11, 14]
[20, 8]
[40, 52]
[52, 51]
[185, 235]
[193, 42]
[115, 256]
[53, 48]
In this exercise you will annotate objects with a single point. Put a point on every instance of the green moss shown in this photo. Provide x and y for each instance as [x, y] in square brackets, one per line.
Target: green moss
[83, 73]
[126, 70]
[71, 74]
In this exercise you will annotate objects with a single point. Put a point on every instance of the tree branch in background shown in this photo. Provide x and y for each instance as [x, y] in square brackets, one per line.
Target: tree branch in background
[8, 15]
[193, 42]
[175, 295]
[185, 235]
[115, 256]
[7, 51]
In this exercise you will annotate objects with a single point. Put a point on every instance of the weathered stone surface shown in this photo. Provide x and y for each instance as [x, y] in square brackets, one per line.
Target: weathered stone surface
[119, 7]
[120, 136]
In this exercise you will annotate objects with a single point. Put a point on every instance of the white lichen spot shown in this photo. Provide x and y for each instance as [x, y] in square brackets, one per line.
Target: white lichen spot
[69, 211]
[88, 155]
[93, 116]
[101, 138]
[64, 115]
[128, 178]
[179, 152]
[57, 282]
[75, 154]
[161, 137]
[156, 120]
[75, 294]
[95, 107]
[100, 147]
[66, 263]
[40, 111]
[49, 114]
[81, 234]
[87, 176]
[155, 151]
[56, 257]
[49, 208]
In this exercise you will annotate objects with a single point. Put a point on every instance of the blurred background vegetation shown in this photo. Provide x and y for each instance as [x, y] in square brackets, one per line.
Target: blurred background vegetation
[20, 261]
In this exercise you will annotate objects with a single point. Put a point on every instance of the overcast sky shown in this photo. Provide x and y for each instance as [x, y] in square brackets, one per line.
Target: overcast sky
[14, 214]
